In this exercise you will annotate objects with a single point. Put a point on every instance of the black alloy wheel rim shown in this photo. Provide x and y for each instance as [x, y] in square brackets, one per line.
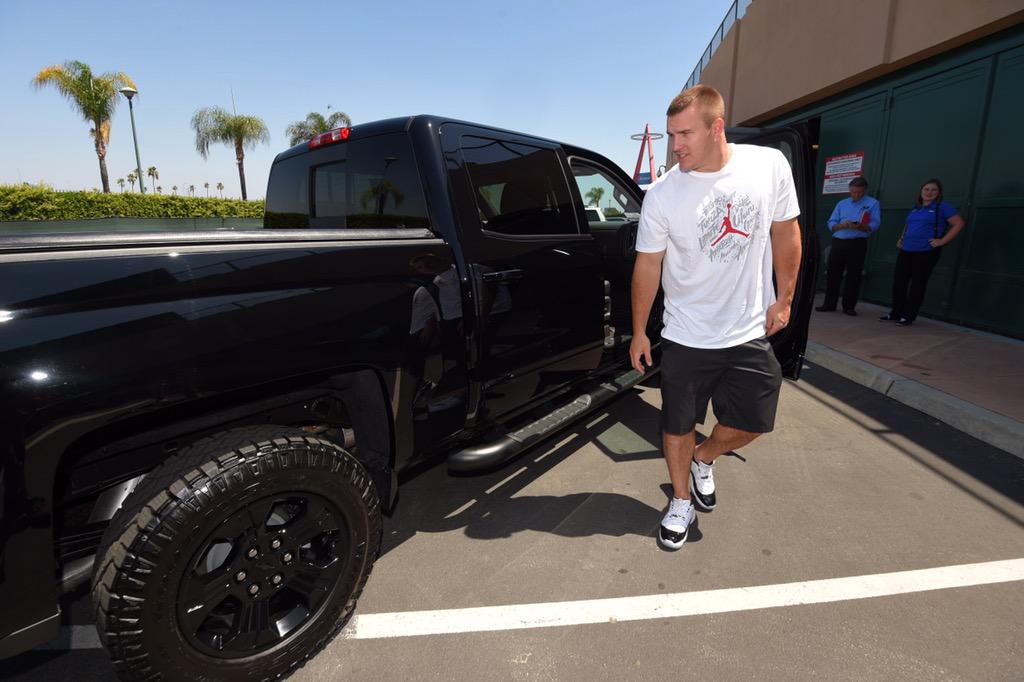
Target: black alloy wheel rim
[265, 572]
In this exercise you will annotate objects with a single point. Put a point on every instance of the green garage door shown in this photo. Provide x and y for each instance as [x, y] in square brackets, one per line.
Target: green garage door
[990, 285]
[934, 130]
[956, 117]
[856, 127]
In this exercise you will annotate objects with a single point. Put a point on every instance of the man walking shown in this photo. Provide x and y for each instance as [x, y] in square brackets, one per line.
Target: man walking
[712, 231]
[853, 220]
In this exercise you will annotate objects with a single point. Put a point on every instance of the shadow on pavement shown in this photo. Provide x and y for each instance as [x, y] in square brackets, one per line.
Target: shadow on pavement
[484, 505]
[997, 469]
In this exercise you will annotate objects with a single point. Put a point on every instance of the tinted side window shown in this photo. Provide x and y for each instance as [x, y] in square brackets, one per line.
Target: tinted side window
[288, 194]
[519, 189]
[368, 183]
[377, 185]
[605, 198]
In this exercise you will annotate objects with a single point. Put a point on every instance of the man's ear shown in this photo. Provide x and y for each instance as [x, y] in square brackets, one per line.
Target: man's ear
[718, 127]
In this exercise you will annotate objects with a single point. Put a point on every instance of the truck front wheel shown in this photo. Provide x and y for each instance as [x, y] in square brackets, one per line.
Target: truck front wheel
[239, 558]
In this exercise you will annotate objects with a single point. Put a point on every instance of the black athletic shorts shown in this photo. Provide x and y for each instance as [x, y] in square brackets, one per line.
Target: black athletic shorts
[741, 382]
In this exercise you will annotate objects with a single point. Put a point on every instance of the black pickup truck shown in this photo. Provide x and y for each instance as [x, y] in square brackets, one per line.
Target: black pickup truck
[206, 427]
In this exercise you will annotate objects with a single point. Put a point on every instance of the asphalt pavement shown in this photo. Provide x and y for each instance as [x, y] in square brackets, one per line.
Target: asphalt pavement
[861, 540]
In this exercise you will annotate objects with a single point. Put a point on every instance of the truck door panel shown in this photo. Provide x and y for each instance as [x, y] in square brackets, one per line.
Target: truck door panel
[791, 343]
[538, 282]
[618, 200]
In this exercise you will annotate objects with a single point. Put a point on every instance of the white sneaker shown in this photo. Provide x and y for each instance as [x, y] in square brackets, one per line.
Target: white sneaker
[676, 524]
[702, 484]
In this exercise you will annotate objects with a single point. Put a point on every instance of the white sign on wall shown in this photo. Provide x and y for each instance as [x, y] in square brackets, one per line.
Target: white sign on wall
[839, 170]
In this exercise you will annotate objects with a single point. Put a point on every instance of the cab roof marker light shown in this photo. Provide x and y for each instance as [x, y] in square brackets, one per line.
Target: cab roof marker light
[330, 137]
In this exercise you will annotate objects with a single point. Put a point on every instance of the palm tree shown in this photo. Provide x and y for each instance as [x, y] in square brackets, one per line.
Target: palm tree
[132, 177]
[153, 174]
[207, 186]
[192, 190]
[594, 195]
[174, 190]
[213, 124]
[220, 188]
[379, 193]
[159, 189]
[94, 97]
[315, 124]
[120, 181]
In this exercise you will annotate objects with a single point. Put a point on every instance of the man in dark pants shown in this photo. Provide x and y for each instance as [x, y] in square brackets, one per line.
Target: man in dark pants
[853, 220]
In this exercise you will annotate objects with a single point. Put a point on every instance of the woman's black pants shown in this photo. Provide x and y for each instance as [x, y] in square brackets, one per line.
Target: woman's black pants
[913, 268]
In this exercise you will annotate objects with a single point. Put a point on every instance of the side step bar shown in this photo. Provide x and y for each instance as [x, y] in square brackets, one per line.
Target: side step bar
[495, 453]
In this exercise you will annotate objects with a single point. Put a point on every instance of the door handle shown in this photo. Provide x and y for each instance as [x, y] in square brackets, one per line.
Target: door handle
[502, 275]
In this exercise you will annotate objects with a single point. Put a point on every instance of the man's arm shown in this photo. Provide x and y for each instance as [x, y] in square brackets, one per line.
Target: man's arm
[833, 219]
[876, 218]
[786, 249]
[646, 278]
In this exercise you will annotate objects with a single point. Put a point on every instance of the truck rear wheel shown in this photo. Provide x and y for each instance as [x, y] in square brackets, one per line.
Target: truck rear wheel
[239, 558]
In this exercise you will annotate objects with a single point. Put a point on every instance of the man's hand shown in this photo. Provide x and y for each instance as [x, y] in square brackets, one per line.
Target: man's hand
[786, 249]
[777, 318]
[639, 349]
[646, 278]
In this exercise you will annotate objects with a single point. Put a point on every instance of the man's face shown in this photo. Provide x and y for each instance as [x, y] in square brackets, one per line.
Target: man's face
[693, 141]
[857, 192]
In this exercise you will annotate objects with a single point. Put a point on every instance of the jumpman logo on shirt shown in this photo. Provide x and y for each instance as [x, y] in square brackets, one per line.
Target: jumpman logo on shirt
[727, 227]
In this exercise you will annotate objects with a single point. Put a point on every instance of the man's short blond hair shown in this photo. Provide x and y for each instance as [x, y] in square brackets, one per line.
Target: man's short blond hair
[705, 98]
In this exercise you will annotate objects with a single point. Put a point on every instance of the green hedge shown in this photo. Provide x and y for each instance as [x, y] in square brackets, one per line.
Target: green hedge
[32, 202]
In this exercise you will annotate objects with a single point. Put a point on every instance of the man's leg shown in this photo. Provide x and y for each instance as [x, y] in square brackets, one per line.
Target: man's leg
[858, 249]
[747, 396]
[723, 439]
[833, 274]
[678, 455]
[675, 524]
[687, 375]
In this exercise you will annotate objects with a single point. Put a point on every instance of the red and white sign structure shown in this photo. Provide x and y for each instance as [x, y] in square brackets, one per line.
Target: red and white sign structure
[839, 170]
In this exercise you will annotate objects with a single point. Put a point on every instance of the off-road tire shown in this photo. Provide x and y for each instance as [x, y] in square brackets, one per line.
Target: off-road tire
[146, 550]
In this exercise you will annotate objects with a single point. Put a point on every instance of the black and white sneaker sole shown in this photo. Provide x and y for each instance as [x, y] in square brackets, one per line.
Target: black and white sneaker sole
[702, 502]
[670, 539]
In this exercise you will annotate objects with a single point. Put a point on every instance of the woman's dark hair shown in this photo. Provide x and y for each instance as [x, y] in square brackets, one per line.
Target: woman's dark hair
[930, 181]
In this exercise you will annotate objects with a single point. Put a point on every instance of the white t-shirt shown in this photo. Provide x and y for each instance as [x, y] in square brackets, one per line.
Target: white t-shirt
[715, 231]
[424, 309]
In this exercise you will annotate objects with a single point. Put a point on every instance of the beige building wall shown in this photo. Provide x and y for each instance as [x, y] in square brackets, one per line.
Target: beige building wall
[785, 54]
[722, 67]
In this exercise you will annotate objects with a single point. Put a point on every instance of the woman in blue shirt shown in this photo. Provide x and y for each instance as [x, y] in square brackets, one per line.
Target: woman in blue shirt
[931, 224]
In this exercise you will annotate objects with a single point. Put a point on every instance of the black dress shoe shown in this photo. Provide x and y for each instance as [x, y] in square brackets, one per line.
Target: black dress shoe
[851, 311]
[904, 322]
[825, 309]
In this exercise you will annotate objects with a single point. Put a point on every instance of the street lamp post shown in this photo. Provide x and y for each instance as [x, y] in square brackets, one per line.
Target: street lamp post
[129, 93]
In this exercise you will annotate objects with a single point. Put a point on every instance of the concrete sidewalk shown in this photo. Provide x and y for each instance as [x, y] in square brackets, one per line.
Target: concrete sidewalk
[968, 379]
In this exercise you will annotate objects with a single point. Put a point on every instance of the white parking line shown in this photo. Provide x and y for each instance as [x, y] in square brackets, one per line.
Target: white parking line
[555, 614]
[676, 605]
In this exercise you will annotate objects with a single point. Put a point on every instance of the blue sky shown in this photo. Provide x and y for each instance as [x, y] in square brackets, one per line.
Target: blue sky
[588, 73]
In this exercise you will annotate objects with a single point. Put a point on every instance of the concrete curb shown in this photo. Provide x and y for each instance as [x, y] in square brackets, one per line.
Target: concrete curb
[990, 427]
